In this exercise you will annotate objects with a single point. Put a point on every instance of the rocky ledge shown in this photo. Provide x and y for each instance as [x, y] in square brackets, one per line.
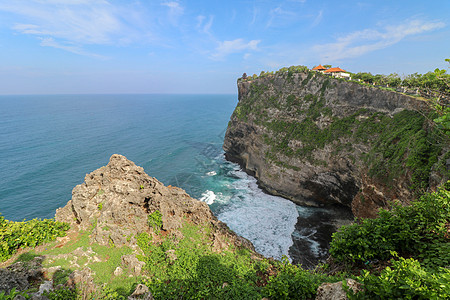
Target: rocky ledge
[117, 199]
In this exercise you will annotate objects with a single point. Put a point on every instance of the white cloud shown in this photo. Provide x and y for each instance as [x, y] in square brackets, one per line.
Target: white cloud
[75, 22]
[360, 42]
[279, 15]
[175, 11]
[50, 42]
[235, 46]
[204, 27]
[318, 19]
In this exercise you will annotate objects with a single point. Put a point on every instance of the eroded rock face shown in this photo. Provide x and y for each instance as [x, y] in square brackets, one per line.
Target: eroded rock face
[335, 291]
[268, 136]
[21, 275]
[116, 201]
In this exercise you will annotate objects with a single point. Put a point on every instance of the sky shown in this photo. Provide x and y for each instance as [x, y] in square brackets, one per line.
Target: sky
[196, 46]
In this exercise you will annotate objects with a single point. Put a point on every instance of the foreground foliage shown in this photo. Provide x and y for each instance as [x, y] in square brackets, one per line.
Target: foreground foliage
[405, 279]
[414, 240]
[403, 254]
[420, 229]
[188, 268]
[15, 235]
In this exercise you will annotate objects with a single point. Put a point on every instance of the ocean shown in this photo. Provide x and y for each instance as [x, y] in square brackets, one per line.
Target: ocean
[49, 143]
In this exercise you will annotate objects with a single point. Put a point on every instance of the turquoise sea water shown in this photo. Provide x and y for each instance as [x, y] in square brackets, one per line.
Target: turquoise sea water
[49, 143]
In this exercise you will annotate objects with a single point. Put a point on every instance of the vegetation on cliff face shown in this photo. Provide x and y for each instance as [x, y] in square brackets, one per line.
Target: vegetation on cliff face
[296, 118]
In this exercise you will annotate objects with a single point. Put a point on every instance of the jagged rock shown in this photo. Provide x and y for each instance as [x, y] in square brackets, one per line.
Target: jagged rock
[141, 292]
[130, 262]
[118, 271]
[117, 200]
[335, 291]
[47, 286]
[10, 279]
[20, 275]
[82, 280]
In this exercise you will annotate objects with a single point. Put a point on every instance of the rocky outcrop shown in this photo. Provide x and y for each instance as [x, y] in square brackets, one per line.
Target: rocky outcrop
[22, 275]
[335, 291]
[319, 141]
[117, 200]
[113, 207]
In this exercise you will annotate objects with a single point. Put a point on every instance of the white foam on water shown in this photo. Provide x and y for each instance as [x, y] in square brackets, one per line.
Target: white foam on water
[267, 221]
[212, 173]
[208, 197]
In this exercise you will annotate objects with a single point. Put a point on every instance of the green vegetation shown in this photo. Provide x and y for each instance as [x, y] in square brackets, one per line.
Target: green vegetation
[438, 80]
[406, 140]
[12, 294]
[403, 254]
[418, 230]
[15, 235]
[288, 71]
[418, 233]
[403, 145]
[155, 220]
[405, 279]
[188, 268]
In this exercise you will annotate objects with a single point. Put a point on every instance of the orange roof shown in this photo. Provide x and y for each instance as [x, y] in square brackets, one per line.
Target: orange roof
[334, 70]
[319, 68]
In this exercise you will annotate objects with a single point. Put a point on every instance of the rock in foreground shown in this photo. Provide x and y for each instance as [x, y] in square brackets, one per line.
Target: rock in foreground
[119, 199]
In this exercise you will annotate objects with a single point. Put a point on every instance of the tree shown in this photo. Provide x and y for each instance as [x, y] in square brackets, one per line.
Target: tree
[244, 76]
[442, 107]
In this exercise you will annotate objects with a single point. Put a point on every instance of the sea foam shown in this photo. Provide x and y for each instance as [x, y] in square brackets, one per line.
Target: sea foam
[267, 221]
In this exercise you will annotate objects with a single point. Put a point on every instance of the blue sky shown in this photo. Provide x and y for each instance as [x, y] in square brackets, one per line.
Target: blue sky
[180, 46]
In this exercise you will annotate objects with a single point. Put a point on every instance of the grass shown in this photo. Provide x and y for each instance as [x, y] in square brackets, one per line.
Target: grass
[110, 259]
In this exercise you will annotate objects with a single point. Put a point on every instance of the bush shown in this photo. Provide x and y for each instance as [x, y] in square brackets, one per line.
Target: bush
[154, 220]
[293, 282]
[15, 235]
[406, 279]
[419, 229]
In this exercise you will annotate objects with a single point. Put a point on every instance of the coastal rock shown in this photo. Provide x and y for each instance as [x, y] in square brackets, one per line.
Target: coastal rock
[312, 139]
[83, 280]
[21, 275]
[119, 200]
[141, 292]
[335, 291]
[130, 262]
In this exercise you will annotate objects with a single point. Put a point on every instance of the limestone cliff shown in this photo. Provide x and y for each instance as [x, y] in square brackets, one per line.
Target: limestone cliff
[318, 140]
[116, 201]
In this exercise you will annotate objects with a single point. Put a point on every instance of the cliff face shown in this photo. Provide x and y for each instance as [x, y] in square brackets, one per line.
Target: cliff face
[318, 140]
[117, 203]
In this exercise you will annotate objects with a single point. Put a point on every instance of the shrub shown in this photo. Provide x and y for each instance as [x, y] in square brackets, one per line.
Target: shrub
[293, 282]
[15, 235]
[419, 229]
[154, 220]
[406, 279]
